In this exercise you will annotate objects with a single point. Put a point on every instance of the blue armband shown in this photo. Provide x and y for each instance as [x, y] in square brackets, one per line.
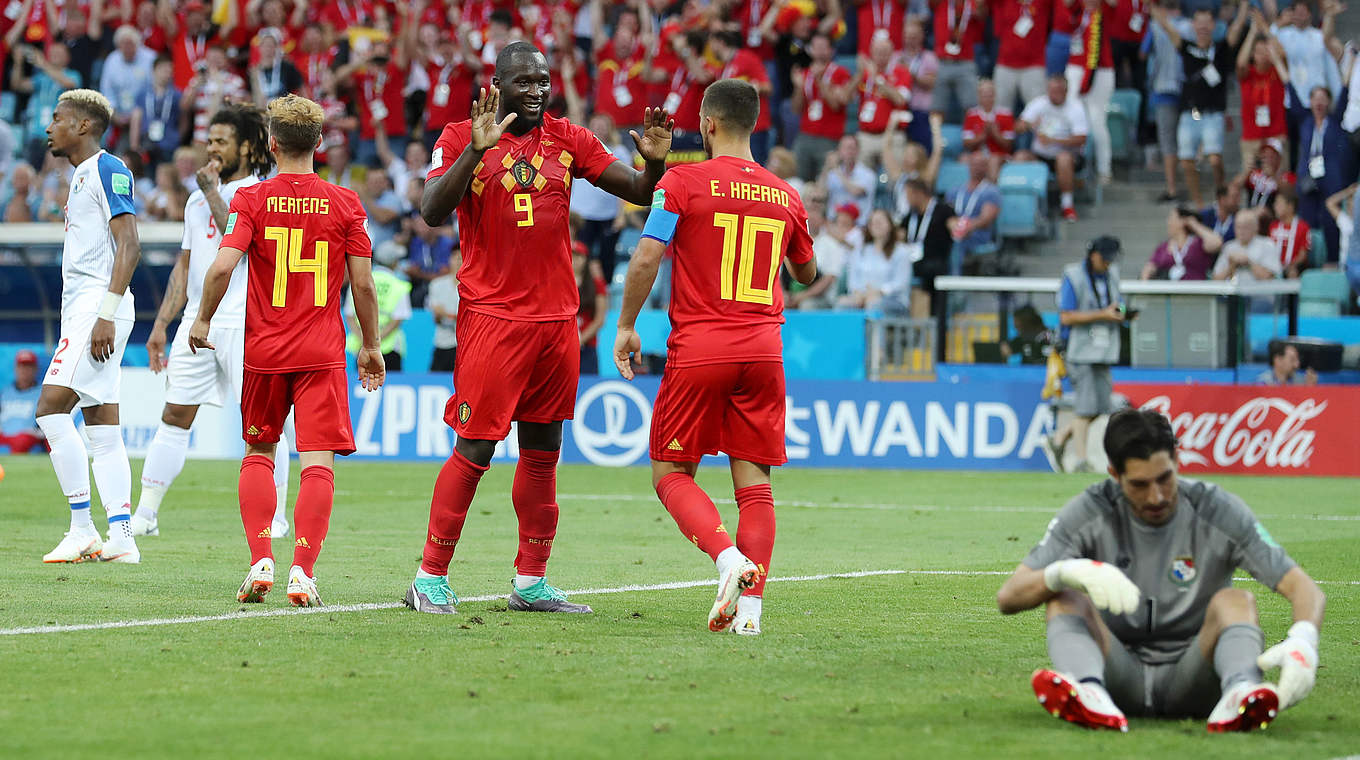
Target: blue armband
[661, 225]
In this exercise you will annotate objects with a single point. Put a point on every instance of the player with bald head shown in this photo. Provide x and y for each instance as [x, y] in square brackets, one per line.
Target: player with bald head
[730, 224]
[508, 173]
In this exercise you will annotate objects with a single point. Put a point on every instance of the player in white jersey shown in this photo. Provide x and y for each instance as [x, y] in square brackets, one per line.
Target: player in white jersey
[238, 156]
[98, 257]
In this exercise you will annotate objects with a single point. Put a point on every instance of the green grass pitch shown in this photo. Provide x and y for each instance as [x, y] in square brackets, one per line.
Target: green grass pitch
[908, 665]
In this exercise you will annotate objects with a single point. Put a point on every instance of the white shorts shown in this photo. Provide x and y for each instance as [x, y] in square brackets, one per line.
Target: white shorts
[206, 377]
[96, 383]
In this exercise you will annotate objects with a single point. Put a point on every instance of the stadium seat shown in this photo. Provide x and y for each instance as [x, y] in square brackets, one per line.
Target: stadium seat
[1024, 190]
[951, 176]
[1323, 293]
[953, 140]
[1123, 121]
[1317, 248]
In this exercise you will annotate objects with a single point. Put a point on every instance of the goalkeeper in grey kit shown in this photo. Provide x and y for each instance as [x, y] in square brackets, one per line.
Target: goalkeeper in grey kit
[1135, 575]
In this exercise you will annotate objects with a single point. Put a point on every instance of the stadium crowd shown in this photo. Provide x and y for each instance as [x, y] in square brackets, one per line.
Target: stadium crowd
[860, 102]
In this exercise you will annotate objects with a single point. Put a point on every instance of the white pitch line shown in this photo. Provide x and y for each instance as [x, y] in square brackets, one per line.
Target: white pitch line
[370, 606]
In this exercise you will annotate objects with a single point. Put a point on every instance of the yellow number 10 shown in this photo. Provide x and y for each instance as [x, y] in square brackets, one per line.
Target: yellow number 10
[288, 259]
[737, 278]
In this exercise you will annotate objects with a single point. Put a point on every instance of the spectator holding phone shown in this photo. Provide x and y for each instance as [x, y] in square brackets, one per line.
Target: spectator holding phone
[1188, 253]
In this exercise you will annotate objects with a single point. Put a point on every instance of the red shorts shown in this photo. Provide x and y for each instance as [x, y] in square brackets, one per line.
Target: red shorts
[512, 371]
[737, 409]
[22, 443]
[319, 400]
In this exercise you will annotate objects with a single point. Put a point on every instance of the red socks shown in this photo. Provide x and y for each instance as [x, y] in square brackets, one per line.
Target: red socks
[312, 515]
[694, 513]
[453, 492]
[257, 497]
[755, 530]
[535, 498]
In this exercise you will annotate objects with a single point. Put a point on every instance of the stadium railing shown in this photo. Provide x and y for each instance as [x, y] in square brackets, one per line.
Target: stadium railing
[899, 349]
[1239, 297]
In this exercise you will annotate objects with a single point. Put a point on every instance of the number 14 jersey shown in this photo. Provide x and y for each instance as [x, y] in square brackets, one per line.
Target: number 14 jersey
[296, 231]
[736, 224]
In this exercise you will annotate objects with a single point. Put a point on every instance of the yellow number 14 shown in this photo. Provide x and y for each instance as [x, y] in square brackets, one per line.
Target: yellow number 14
[737, 278]
[288, 259]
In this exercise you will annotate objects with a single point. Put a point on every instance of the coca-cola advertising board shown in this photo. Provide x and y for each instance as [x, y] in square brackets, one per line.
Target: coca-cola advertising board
[1265, 430]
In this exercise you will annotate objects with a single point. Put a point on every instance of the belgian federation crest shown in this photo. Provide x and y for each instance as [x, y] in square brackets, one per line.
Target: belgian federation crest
[524, 173]
[1183, 572]
[464, 413]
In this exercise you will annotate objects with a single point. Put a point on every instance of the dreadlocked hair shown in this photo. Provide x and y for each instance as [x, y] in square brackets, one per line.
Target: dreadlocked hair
[249, 124]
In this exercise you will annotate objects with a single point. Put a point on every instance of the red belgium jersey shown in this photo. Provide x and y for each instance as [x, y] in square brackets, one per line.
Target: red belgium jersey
[297, 231]
[515, 239]
[737, 224]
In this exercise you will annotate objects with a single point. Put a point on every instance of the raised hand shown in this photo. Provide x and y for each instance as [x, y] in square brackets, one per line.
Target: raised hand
[655, 142]
[209, 175]
[486, 131]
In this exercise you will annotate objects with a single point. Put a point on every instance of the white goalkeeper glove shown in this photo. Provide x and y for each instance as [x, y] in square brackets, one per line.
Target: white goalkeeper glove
[1297, 659]
[1107, 586]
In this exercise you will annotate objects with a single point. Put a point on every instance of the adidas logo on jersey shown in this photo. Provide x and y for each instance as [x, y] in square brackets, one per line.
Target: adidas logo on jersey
[674, 445]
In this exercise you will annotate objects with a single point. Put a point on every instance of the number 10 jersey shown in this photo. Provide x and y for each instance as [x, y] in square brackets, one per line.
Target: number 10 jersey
[297, 231]
[734, 223]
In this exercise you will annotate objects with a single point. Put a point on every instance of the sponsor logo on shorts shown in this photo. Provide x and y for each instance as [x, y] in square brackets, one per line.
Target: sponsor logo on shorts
[437, 541]
[674, 445]
[252, 430]
[464, 413]
[1183, 571]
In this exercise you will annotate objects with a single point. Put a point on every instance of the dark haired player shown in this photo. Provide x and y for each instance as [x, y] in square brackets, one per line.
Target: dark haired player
[730, 224]
[238, 156]
[303, 236]
[1135, 575]
[508, 172]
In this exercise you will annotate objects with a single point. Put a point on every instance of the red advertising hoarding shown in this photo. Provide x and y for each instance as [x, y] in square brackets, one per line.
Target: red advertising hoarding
[1264, 430]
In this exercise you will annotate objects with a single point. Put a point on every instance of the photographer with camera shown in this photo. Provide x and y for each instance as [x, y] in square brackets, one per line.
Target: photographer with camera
[1189, 250]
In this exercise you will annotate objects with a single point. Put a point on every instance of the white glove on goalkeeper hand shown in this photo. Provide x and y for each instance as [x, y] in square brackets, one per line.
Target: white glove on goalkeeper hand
[1107, 586]
[1297, 659]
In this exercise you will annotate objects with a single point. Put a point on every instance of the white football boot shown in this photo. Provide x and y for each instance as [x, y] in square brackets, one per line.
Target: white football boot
[747, 621]
[121, 547]
[1086, 704]
[145, 526]
[77, 546]
[1244, 707]
[737, 579]
[258, 581]
[302, 589]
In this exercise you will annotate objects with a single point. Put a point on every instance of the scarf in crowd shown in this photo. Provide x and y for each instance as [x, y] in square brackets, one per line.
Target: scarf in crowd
[1092, 35]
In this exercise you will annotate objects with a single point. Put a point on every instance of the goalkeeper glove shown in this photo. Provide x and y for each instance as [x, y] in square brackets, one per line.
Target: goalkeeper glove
[1297, 659]
[1107, 586]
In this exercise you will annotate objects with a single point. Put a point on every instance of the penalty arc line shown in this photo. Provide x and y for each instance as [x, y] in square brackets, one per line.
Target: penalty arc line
[372, 606]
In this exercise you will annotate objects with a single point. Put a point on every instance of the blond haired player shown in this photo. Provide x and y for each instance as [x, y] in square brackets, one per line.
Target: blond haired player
[98, 256]
[302, 236]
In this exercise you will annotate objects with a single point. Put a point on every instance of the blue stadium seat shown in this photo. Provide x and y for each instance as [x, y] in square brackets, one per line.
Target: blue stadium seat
[20, 292]
[1323, 293]
[953, 140]
[1024, 192]
[1123, 122]
[952, 175]
[1317, 248]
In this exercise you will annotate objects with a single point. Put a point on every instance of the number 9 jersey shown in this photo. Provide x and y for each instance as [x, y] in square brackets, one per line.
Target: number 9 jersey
[296, 231]
[729, 223]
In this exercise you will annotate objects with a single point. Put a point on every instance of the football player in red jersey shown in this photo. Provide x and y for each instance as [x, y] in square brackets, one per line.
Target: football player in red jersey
[508, 173]
[301, 235]
[729, 224]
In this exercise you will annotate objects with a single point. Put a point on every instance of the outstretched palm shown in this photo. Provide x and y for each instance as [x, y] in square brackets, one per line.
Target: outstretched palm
[486, 131]
[655, 142]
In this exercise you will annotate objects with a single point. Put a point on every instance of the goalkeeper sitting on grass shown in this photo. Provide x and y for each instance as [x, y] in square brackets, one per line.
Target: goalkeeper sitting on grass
[1136, 578]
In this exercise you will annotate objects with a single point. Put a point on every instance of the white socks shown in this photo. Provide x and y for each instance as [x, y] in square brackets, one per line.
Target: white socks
[423, 574]
[112, 473]
[727, 559]
[525, 581]
[71, 464]
[1067, 200]
[748, 606]
[164, 461]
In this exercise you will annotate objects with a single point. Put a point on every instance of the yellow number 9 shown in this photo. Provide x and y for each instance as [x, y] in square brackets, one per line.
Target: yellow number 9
[524, 204]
